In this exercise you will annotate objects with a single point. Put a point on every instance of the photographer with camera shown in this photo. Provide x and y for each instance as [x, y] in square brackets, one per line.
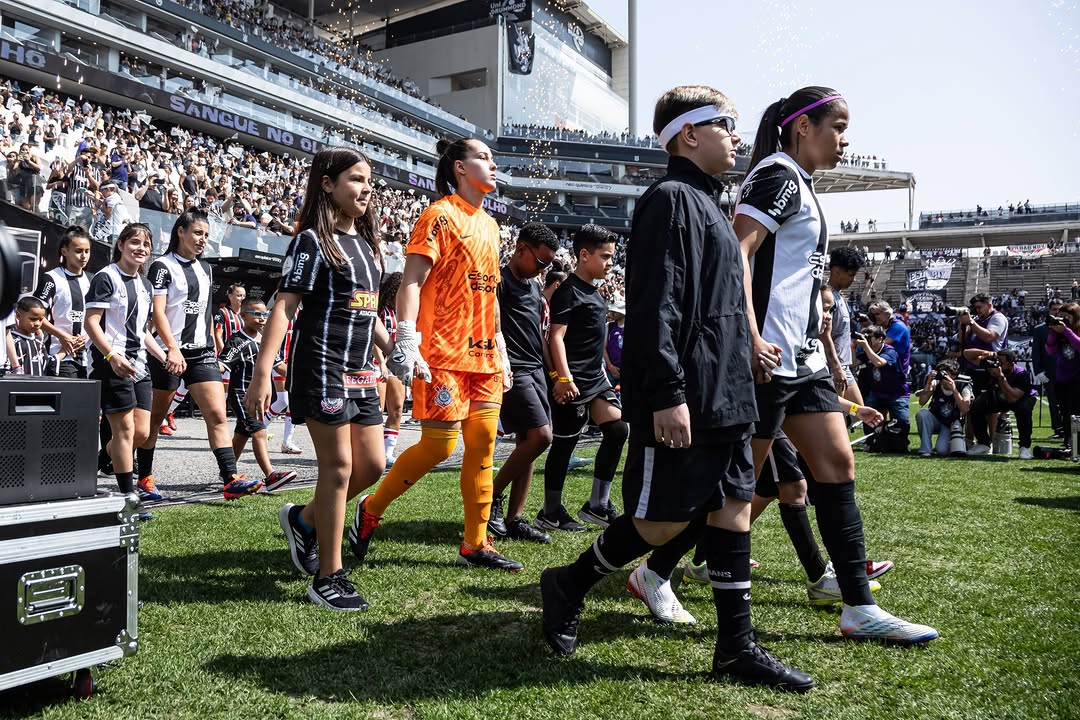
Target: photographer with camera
[887, 388]
[1063, 342]
[82, 184]
[945, 398]
[1044, 367]
[897, 333]
[988, 330]
[1010, 389]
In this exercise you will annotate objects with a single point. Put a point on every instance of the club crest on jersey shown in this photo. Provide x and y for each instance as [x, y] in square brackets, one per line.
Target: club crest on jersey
[332, 406]
[443, 397]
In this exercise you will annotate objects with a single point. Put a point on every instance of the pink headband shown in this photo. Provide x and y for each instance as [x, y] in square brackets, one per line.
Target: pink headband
[810, 107]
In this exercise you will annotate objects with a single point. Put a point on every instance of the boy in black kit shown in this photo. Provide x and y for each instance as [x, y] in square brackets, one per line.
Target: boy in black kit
[581, 388]
[238, 355]
[525, 411]
[689, 393]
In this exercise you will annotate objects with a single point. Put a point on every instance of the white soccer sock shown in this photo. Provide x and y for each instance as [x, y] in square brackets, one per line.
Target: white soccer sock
[390, 442]
[280, 405]
[286, 439]
[179, 397]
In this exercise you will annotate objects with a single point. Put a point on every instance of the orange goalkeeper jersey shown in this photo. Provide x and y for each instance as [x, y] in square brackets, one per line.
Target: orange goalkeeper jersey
[457, 302]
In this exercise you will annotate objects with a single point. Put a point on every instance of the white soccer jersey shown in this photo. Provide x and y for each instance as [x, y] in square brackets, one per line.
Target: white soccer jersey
[186, 285]
[789, 265]
[126, 302]
[65, 295]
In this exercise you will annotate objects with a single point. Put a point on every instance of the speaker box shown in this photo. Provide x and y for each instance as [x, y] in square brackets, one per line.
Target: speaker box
[48, 439]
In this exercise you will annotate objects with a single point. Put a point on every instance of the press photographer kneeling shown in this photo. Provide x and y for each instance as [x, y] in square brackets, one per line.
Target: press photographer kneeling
[945, 398]
[1009, 389]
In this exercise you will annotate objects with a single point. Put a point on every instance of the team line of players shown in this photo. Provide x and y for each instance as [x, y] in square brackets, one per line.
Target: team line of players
[721, 345]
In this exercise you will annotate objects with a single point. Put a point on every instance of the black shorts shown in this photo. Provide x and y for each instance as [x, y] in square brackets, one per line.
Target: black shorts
[783, 396]
[335, 411]
[245, 423]
[569, 419]
[526, 405]
[675, 485]
[781, 466]
[71, 369]
[120, 394]
[202, 366]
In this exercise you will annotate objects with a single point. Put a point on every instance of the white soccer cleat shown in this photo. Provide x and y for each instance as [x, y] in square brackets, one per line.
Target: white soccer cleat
[656, 593]
[826, 590]
[869, 622]
[979, 450]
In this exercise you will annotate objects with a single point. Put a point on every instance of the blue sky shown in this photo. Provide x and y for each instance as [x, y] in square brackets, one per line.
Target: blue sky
[980, 100]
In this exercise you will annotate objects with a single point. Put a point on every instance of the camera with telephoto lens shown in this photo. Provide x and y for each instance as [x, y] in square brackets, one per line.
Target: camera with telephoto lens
[990, 362]
[858, 336]
[862, 317]
[1055, 320]
[10, 271]
[954, 310]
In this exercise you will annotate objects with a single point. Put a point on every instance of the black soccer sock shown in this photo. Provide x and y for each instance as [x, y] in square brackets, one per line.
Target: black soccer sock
[126, 481]
[104, 435]
[841, 528]
[798, 529]
[226, 462]
[144, 460]
[558, 460]
[728, 555]
[617, 546]
[607, 460]
[668, 556]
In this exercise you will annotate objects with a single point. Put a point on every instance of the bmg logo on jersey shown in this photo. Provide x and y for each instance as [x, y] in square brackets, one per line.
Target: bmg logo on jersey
[480, 281]
[780, 202]
[484, 347]
[159, 277]
[364, 300]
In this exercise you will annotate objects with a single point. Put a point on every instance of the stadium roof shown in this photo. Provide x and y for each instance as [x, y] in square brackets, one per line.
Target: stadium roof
[846, 178]
[968, 237]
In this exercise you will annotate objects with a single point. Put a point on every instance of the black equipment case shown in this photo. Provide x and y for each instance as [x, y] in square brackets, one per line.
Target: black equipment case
[69, 586]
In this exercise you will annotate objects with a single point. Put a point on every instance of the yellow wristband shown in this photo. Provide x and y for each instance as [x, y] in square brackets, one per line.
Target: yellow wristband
[566, 379]
[553, 375]
[853, 409]
[109, 356]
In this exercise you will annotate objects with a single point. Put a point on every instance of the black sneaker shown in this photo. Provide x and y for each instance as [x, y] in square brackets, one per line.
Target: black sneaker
[497, 521]
[560, 521]
[105, 466]
[336, 592]
[361, 530]
[756, 666]
[486, 556]
[519, 529]
[303, 546]
[561, 615]
[598, 516]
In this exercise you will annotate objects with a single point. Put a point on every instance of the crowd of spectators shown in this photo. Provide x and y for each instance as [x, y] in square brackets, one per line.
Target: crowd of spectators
[872, 162]
[297, 36]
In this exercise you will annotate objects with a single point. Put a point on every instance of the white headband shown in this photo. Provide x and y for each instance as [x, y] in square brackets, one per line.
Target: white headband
[692, 117]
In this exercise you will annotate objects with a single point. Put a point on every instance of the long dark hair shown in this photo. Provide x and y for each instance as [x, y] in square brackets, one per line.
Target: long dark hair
[388, 290]
[319, 214]
[449, 153]
[771, 137]
[72, 232]
[187, 218]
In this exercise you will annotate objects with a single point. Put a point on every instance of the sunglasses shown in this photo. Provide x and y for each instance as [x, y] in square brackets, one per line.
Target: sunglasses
[257, 313]
[539, 263]
[726, 120]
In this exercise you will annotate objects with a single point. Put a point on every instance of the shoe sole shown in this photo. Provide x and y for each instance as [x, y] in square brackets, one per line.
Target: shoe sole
[694, 579]
[236, 496]
[496, 532]
[150, 497]
[897, 642]
[286, 527]
[463, 562]
[823, 601]
[271, 487]
[315, 598]
[879, 573]
[736, 680]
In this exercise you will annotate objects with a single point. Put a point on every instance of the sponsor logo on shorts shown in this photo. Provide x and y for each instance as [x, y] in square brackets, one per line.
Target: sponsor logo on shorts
[443, 397]
[332, 406]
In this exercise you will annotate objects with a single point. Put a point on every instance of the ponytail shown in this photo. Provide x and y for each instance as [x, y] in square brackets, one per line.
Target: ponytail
[775, 132]
[449, 153]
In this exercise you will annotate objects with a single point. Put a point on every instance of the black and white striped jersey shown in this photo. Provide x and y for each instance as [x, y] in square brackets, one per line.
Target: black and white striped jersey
[126, 301]
[65, 295]
[789, 266]
[31, 355]
[335, 333]
[186, 285]
[238, 354]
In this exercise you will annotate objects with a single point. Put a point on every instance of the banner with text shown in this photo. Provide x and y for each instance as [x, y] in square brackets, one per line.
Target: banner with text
[935, 276]
[923, 301]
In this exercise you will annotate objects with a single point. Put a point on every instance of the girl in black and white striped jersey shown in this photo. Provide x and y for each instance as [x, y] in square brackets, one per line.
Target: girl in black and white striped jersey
[63, 290]
[117, 321]
[182, 317]
[31, 355]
